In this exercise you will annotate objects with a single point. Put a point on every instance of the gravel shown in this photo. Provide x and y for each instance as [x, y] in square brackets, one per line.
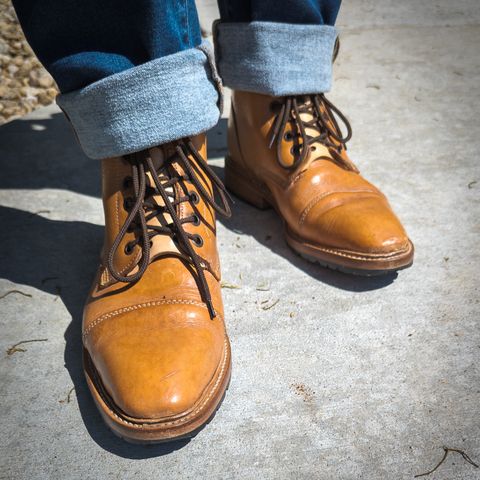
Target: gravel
[25, 84]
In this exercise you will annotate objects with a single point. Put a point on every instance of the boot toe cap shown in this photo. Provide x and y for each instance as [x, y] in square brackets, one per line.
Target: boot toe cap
[157, 364]
[362, 224]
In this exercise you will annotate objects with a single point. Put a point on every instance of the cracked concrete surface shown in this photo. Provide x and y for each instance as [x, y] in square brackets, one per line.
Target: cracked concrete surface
[344, 377]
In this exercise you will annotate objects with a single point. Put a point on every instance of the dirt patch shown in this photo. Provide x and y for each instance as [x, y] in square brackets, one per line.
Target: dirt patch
[303, 391]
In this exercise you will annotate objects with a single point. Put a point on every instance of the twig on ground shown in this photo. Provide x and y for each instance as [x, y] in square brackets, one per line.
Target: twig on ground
[268, 307]
[232, 286]
[15, 291]
[447, 450]
[14, 348]
[69, 396]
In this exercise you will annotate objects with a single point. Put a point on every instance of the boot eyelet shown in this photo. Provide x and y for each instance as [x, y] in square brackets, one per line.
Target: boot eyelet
[288, 137]
[127, 183]
[197, 240]
[295, 150]
[127, 204]
[194, 197]
[128, 248]
[313, 148]
[196, 220]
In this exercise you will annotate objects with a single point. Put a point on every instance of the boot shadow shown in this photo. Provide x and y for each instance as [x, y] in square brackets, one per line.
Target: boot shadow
[60, 258]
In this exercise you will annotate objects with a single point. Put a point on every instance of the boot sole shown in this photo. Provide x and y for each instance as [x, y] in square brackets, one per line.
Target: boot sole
[152, 431]
[356, 263]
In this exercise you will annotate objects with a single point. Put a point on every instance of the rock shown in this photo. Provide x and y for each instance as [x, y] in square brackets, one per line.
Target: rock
[9, 112]
[12, 69]
[4, 48]
[18, 60]
[27, 91]
[8, 94]
[47, 97]
[40, 78]
[45, 80]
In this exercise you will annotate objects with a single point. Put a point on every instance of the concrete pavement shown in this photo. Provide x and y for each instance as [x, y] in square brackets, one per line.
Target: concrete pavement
[344, 377]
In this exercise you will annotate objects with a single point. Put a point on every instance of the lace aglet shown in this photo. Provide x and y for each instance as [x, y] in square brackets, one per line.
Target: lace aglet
[211, 310]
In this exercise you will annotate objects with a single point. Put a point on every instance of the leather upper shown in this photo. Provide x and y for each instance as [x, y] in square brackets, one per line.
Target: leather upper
[152, 342]
[323, 201]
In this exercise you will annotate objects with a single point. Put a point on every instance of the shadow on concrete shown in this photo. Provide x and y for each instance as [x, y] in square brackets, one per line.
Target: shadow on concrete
[37, 154]
[60, 257]
[266, 227]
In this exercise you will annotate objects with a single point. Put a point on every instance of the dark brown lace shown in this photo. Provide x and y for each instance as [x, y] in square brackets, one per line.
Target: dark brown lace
[324, 121]
[142, 208]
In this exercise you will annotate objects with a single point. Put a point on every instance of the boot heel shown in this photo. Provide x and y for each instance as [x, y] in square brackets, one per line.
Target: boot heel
[243, 187]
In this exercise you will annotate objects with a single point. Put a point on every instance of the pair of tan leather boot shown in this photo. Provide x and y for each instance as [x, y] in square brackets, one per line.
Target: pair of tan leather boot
[156, 353]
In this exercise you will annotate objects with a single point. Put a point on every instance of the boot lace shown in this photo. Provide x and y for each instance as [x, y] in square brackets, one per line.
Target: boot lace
[324, 121]
[143, 208]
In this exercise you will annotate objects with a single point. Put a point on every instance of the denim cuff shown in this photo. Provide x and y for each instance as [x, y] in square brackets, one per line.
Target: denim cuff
[163, 100]
[275, 58]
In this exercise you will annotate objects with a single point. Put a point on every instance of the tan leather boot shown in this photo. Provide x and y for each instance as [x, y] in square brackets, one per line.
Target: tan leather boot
[156, 353]
[289, 153]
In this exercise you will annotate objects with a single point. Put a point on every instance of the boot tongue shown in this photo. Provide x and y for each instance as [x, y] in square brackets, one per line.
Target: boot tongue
[161, 244]
[290, 150]
[317, 149]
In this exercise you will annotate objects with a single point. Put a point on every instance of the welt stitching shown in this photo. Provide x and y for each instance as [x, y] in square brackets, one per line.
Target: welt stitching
[373, 258]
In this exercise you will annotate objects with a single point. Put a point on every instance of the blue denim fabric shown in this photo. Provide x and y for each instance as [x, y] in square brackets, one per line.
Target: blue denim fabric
[276, 47]
[159, 101]
[306, 12]
[136, 74]
[82, 41]
[275, 58]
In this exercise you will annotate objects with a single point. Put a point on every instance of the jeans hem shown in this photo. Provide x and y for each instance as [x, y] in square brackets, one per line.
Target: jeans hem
[172, 97]
[275, 58]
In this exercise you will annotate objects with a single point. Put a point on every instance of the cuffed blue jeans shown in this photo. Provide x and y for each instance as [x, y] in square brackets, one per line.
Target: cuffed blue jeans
[134, 74]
